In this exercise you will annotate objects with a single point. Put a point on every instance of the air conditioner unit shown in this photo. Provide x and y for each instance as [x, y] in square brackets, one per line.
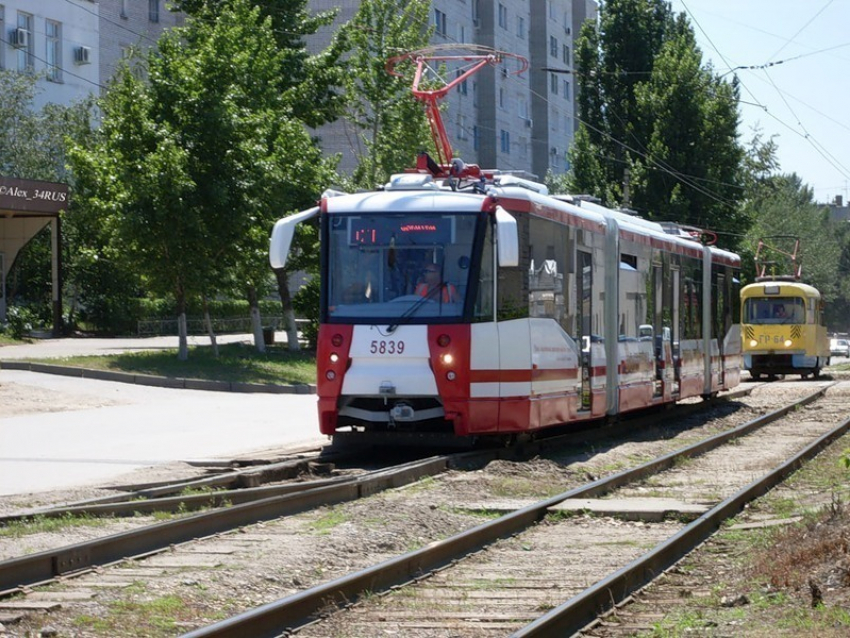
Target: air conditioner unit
[528, 122]
[82, 55]
[20, 38]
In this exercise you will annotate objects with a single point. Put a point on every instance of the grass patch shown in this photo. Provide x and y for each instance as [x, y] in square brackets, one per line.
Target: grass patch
[153, 617]
[325, 523]
[237, 362]
[46, 525]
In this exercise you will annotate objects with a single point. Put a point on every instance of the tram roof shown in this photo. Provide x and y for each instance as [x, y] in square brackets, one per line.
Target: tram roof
[785, 289]
[431, 196]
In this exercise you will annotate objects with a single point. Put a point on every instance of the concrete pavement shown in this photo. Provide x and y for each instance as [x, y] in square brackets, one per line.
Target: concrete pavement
[134, 426]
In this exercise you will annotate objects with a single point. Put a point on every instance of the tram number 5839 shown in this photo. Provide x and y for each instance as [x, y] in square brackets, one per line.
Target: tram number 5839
[386, 347]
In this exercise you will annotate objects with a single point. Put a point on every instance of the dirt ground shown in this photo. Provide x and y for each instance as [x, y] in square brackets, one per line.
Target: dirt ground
[315, 547]
[16, 399]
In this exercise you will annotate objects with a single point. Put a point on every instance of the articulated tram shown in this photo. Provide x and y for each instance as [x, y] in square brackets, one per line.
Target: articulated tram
[561, 310]
[459, 303]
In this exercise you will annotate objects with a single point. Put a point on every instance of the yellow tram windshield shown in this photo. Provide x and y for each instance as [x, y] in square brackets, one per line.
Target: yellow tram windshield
[774, 310]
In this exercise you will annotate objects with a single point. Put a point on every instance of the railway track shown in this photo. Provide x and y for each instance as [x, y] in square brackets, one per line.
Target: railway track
[221, 548]
[535, 558]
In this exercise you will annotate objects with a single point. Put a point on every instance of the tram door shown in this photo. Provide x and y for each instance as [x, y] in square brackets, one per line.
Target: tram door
[676, 329]
[584, 298]
[659, 346]
[2, 287]
[719, 328]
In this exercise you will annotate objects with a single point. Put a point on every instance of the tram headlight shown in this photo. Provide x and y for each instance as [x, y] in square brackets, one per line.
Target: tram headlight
[753, 343]
[334, 357]
[450, 375]
[447, 358]
[336, 340]
[330, 375]
[788, 343]
[444, 340]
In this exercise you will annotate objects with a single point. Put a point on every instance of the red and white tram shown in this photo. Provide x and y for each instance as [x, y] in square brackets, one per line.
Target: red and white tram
[544, 310]
[560, 310]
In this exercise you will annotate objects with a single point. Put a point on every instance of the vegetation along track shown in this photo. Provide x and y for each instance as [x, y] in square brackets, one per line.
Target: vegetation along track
[232, 571]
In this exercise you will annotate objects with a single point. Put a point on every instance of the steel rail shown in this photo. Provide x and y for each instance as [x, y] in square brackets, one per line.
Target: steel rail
[42, 567]
[277, 617]
[581, 610]
[159, 498]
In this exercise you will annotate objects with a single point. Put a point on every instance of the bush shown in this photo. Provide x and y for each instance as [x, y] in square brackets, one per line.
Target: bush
[306, 305]
[19, 321]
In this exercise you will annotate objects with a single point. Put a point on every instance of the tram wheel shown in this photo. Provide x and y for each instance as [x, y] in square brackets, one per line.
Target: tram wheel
[755, 375]
[816, 373]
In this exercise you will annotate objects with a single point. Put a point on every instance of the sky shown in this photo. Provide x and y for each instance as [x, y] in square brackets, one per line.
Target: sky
[799, 92]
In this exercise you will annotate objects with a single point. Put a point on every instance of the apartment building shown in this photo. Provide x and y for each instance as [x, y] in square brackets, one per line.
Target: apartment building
[74, 46]
[497, 119]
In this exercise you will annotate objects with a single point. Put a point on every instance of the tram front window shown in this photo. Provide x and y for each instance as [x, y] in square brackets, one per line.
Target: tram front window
[772, 310]
[412, 266]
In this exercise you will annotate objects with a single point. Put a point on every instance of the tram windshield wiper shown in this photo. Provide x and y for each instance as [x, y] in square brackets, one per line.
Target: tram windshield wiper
[415, 306]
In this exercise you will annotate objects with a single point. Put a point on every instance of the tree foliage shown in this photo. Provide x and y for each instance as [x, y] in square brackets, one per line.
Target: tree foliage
[392, 124]
[654, 117]
[190, 165]
[310, 84]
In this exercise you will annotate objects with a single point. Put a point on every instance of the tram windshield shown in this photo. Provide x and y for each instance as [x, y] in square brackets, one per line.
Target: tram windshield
[406, 266]
[773, 310]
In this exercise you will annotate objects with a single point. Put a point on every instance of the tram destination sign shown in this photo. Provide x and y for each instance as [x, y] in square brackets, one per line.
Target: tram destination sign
[29, 196]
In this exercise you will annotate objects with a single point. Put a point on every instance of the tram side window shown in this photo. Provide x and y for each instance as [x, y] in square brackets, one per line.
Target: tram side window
[691, 296]
[484, 299]
[513, 282]
[548, 294]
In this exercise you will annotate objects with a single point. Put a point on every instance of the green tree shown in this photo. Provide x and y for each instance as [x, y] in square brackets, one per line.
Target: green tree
[310, 84]
[392, 123]
[654, 118]
[187, 164]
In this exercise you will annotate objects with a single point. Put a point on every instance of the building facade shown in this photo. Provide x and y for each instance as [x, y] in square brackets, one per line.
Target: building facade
[74, 46]
[496, 119]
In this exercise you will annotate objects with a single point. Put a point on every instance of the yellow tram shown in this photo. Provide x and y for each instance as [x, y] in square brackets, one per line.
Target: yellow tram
[783, 329]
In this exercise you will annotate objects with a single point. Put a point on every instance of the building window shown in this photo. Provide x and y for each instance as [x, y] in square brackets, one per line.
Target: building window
[475, 94]
[53, 50]
[26, 55]
[566, 89]
[440, 22]
[476, 137]
[476, 14]
[153, 10]
[461, 127]
[501, 98]
[520, 27]
[553, 46]
[503, 16]
[461, 88]
[123, 12]
[565, 54]
[553, 84]
[461, 33]
[505, 138]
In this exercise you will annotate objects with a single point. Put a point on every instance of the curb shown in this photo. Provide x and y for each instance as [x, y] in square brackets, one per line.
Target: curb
[158, 382]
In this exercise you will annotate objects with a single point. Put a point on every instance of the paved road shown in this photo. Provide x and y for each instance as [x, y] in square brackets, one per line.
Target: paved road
[141, 425]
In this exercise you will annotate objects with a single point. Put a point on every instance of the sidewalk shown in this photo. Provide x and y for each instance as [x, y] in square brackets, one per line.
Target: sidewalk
[87, 431]
[71, 347]
[11, 359]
